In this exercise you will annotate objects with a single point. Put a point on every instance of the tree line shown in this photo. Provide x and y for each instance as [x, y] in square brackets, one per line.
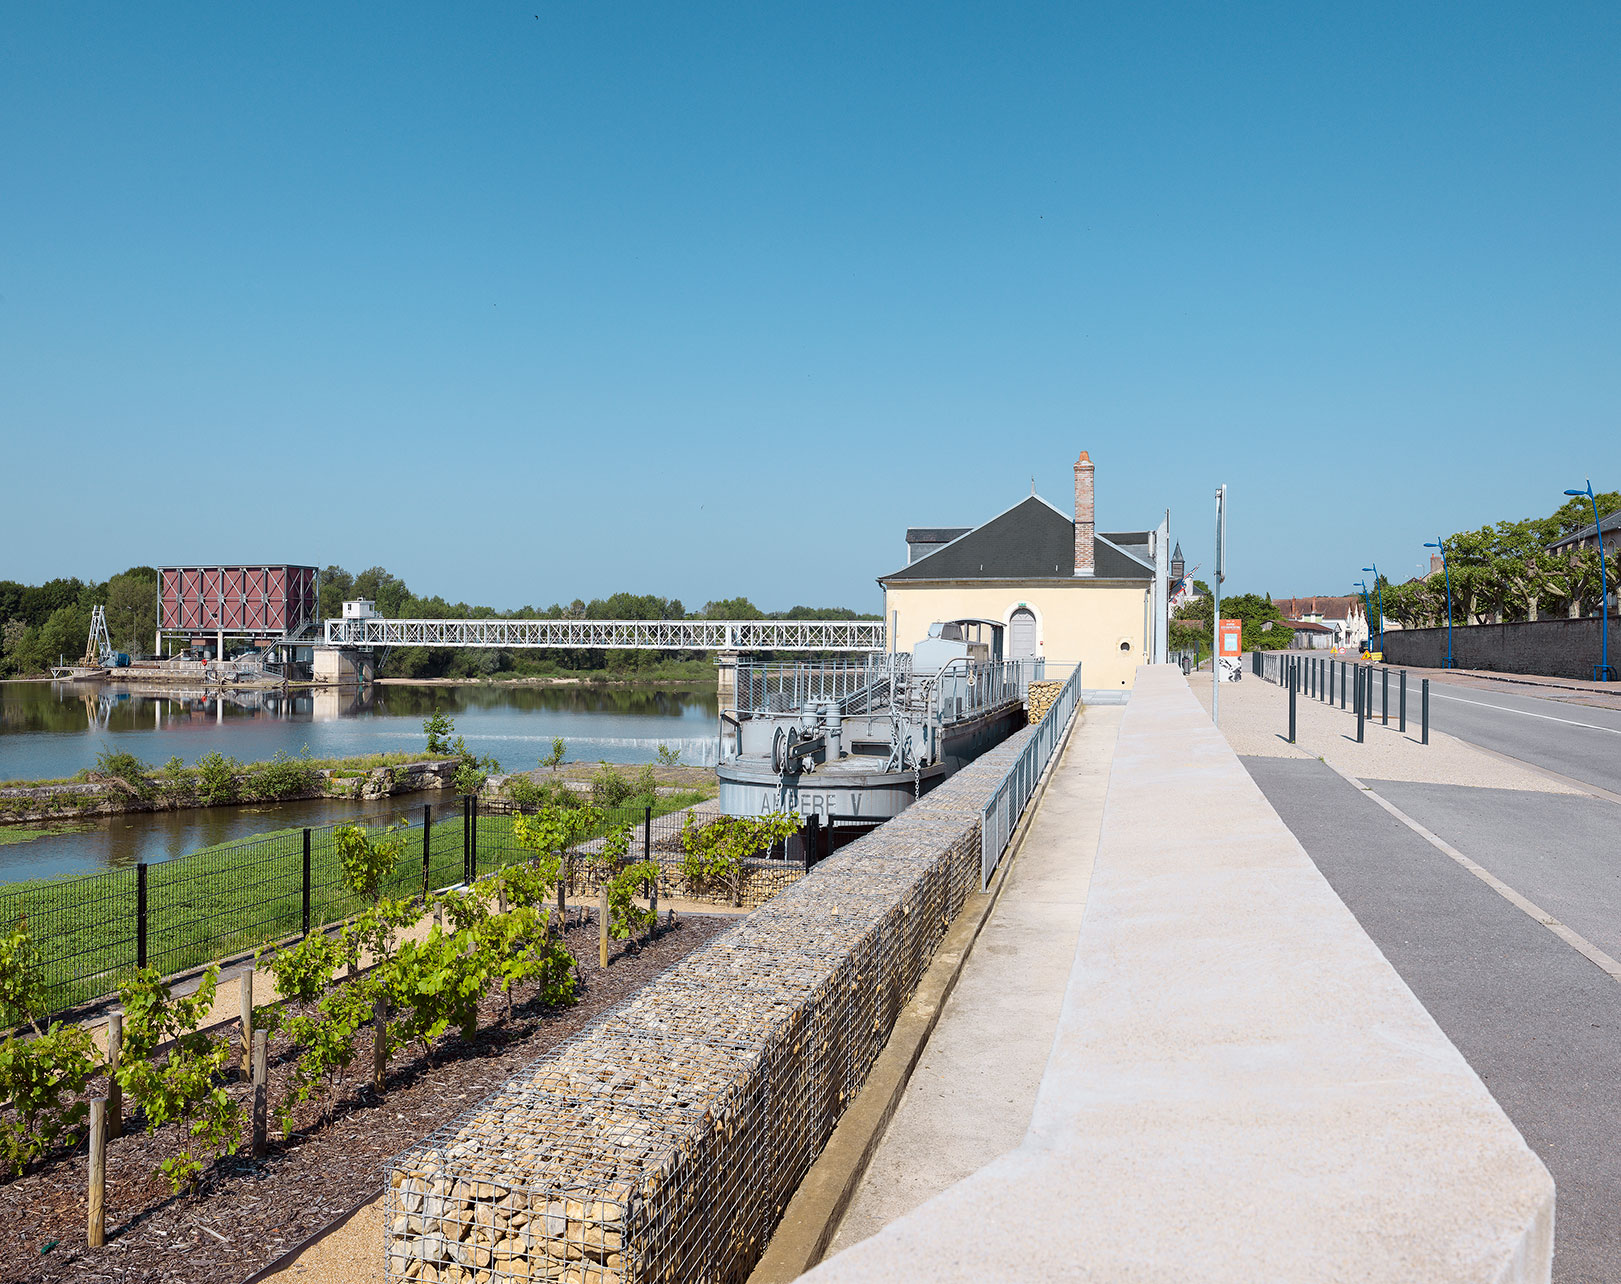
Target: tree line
[42, 623]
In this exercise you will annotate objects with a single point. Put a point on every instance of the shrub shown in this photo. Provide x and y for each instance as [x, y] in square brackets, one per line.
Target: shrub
[609, 787]
[22, 979]
[216, 779]
[555, 758]
[124, 769]
[438, 728]
[668, 757]
[40, 1079]
[714, 853]
[283, 776]
[175, 783]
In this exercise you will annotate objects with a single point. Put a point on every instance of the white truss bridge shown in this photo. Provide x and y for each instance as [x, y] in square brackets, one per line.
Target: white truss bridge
[611, 635]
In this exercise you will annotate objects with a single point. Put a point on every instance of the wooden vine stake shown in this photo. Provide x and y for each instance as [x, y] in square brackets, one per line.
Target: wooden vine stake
[653, 906]
[602, 930]
[115, 1090]
[261, 1093]
[96, 1230]
[247, 1023]
[379, 1046]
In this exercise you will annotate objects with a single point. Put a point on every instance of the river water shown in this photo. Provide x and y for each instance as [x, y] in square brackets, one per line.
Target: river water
[54, 729]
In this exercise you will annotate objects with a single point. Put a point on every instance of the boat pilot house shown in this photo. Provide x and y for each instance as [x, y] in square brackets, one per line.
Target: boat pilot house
[1063, 591]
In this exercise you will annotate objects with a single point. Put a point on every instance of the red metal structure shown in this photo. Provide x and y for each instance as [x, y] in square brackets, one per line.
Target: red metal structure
[265, 603]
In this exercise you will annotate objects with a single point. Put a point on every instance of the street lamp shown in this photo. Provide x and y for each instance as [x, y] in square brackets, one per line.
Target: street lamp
[1381, 593]
[1602, 673]
[1446, 575]
[1367, 606]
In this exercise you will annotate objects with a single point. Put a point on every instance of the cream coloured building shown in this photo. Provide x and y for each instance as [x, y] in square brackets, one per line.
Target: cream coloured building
[1064, 591]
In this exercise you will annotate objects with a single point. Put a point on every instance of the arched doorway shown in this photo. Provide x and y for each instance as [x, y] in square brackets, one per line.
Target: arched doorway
[1022, 634]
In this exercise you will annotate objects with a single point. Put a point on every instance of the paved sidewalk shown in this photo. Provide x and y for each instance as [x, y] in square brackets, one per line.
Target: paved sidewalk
[974, 1090]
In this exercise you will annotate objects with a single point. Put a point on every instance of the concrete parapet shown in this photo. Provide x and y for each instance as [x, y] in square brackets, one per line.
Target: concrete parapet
[1241, 1087]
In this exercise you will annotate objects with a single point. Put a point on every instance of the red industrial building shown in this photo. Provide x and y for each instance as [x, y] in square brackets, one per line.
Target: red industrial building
[260, 605]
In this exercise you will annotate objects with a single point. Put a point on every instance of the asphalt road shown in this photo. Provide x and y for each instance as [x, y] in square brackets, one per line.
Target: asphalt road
[1575, 740]
[1539, 1022]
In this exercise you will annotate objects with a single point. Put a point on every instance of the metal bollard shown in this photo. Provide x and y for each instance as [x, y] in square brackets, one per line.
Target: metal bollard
[1384, 700]
[1293, 685]
[1424, 706]
[1342, 684]
[1361, 701]
[1403, 725]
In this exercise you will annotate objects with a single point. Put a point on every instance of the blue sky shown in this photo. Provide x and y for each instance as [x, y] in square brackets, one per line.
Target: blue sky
[529, 302]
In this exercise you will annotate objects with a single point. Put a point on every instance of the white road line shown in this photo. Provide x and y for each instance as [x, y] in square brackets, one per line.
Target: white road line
[1530, 908]
[1526, 713]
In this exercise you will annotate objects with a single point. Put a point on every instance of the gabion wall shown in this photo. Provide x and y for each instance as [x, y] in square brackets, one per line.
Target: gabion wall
[663, 1141]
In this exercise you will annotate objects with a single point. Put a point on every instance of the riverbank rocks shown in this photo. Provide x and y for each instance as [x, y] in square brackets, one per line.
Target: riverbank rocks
[663, 1142]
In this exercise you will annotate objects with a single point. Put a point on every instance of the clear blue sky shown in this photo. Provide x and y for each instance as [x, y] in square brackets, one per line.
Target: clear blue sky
[529, 302]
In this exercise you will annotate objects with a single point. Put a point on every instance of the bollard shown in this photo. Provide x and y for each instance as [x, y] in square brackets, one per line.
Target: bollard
[1384, 699]
[261, 1093]
[1292, 687]
[1402, 727]
[115, 1090]
[1361, 701]
[96, 1229]
[1342, 684]
[246, 1002]
[1424, 706]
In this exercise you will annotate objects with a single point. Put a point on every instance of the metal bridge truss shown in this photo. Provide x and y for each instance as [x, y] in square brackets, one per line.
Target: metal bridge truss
[611, 635]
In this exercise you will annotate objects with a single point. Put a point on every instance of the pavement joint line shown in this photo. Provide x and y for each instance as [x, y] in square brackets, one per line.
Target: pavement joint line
[1598, 791]
[1530, 908]
[818, 1205]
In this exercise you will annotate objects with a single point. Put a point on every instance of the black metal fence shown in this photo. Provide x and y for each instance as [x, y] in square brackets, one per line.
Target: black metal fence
[94, 930]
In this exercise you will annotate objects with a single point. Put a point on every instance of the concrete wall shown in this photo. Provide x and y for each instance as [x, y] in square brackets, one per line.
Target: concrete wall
[1076, 620]
[1555, 648]
[1241, 1087]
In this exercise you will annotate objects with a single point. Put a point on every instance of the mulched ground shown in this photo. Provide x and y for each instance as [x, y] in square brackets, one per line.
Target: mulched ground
[251, 1211]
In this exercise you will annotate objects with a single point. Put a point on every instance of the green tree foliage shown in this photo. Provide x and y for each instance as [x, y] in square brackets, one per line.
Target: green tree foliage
[437, 728]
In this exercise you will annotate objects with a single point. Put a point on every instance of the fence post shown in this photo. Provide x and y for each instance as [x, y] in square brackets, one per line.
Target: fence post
[246, 1003]
[1425, 709]
[115, 1057]
[140, 914]
[472, 852]
[96, 1227]
[306, 882]
[1403, 726]
[467, 837]
[647, 835]
[427, 845]
[602, 919]
[261, 1093]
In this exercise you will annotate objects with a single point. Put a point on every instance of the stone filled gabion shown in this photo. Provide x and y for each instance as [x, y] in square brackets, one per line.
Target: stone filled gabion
[1041, 697]
[663, 1141]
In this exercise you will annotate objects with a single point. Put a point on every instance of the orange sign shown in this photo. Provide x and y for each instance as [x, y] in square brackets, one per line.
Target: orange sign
[1231, 639]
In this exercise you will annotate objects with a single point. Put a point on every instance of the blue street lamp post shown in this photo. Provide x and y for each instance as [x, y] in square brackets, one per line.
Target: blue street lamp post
[1446, 575]
[1602, 673]
[1379, 589]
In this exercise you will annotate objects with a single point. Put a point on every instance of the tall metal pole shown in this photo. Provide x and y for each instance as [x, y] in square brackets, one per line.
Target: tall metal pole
[1215, 606]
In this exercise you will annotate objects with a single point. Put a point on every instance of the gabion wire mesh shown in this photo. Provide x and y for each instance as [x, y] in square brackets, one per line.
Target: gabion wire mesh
[662, 1142]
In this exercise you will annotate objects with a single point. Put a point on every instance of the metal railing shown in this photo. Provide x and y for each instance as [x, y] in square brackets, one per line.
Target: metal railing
[645, 635]
[780, 688]
[963, 689]
[1007, 802]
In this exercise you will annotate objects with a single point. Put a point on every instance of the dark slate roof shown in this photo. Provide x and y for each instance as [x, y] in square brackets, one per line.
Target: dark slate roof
[1609, 524]
[1031, 541]
[934, 534]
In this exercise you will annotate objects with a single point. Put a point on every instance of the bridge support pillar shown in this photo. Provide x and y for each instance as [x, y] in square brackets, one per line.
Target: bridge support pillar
[342, 666]
[726, 669]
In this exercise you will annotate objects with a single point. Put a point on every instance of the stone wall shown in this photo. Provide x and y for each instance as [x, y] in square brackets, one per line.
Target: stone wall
[1553, 648]
[664, 1141]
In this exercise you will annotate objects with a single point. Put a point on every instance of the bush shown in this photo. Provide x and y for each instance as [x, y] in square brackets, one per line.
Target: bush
[40, 1079]
[438, 728]
[283, 776]
[715, 852]
[126, 769]
[668, 757]
[216, 779]
[609, 787]
[555, 758]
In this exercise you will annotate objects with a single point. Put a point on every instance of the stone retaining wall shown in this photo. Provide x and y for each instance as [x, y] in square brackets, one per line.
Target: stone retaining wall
[1551, 648]
[664, 1141]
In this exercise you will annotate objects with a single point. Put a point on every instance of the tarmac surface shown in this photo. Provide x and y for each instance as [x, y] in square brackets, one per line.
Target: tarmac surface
[1539, 1022]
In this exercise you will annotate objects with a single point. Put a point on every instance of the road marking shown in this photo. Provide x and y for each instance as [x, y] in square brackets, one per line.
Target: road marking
[1530, 908]
[1526, 713]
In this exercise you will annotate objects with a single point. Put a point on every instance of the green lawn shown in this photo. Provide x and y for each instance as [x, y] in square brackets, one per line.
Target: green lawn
[229, 899]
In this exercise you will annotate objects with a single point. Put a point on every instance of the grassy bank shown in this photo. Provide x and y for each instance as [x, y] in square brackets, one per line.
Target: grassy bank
[233, 897]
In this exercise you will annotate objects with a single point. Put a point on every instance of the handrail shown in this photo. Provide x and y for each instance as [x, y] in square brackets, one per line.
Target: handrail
[1007, 801]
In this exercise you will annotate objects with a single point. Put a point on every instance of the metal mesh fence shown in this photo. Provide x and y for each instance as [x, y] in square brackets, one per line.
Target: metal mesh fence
[663, 1142]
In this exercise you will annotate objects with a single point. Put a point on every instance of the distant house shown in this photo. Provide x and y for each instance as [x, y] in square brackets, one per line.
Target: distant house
[1588, 536]
[1344, 617]
[1310, 636]
[1063, 591]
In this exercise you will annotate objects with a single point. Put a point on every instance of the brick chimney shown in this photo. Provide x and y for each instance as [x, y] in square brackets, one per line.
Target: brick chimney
[1085, 519]
[1435, 564]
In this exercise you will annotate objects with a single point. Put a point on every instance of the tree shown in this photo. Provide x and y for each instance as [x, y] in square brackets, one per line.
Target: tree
[132, 608]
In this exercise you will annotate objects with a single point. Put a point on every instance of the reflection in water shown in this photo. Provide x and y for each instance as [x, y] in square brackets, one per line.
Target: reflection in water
[52, 730]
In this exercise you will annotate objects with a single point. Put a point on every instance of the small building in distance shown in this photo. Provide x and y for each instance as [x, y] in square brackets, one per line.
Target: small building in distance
[1344, 617]
[1064, 591]
[1309, 636]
